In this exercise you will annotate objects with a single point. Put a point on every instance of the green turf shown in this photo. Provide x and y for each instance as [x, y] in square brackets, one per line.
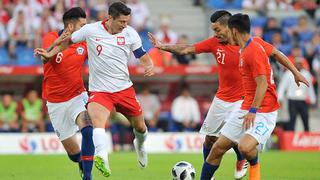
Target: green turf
[275, 166]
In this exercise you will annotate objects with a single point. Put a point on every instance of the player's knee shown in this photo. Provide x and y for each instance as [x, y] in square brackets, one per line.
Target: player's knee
[244, 149]
[75, 157]
[141, 129]
[140, 126]
[85, 120]
[209, 141]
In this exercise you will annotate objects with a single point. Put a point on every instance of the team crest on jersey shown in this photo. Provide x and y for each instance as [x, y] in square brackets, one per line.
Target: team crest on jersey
[80, 50]
[121, 40]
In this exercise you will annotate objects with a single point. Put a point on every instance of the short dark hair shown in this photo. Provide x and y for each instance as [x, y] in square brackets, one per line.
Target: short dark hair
[221, 16]
[73, 14]
[241, 22]
[117, 9]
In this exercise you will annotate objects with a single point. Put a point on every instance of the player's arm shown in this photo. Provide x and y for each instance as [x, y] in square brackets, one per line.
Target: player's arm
[261, 89]
[283, 60]
[57, 46]
[147, 63]
[181, 49]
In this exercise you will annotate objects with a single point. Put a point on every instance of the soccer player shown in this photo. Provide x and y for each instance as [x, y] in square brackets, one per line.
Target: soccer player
[110, 43]
[253, 123]
[66, 96]
[230, 92]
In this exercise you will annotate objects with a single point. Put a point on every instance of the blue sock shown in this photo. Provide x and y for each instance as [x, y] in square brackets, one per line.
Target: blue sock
[87, 152]
[240, 157]
[205, 151]
[74, 157]
[254, 161]
[208, 171]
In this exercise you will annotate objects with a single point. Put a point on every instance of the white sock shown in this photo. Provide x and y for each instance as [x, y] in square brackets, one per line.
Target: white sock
[141, 137]
[100, 142]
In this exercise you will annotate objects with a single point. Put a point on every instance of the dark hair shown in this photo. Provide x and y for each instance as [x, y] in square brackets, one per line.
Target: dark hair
[241, 22]
[73, 14]
[221, 16]
[117, 9]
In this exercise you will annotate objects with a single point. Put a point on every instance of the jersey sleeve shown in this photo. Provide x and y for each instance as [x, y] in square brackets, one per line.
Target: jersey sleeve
[48, 40]
[266, 46]
[205, 46]
[258, 61]
[135, 38]
[80, 35]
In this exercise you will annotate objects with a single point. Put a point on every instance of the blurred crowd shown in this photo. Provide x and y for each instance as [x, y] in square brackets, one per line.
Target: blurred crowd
[23, 23]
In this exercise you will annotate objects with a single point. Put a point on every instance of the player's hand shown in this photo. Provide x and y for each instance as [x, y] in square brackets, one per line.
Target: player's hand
[65, 36]
[248, 120]
[149, 70]
[42, 52]
[299, 78]
[155, 42]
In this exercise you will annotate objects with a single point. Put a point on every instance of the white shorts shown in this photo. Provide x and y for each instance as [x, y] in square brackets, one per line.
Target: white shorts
[217, 116]
[263, 126]
[63, 115]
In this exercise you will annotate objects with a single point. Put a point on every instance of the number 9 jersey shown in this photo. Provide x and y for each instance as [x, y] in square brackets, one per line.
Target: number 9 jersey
[63, 73]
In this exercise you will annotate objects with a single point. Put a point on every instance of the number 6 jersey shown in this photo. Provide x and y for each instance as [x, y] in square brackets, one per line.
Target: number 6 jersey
[108, 56]
[63, 73]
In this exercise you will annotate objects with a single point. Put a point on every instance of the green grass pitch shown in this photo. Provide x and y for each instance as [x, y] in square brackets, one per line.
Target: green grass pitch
[275, 166]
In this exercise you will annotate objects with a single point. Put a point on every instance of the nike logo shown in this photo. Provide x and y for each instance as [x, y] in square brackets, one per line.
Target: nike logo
[98, 39]
[142, 165]
[91, 96]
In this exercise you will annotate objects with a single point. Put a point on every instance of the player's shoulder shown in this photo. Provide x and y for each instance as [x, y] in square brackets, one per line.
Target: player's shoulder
[92, 26]
[52, 34]
[257, 39]
[255, 45]
[130, 31]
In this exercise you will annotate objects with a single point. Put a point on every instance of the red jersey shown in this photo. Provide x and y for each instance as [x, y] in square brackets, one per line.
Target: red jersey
[63, 74]
[255, 62]
[227, 57]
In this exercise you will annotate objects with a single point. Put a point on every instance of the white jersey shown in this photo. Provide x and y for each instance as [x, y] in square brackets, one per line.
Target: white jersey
[108, 56]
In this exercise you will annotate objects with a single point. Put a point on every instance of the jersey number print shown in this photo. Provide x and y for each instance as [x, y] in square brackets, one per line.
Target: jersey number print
[220, 56]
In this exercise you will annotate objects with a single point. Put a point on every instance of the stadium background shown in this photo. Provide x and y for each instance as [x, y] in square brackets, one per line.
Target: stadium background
[291, 26]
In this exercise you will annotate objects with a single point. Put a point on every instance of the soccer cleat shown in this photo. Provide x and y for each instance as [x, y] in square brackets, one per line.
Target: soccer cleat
[241, 169]
[141, 153]
[80, 169]
[254, 172]
[102, 166]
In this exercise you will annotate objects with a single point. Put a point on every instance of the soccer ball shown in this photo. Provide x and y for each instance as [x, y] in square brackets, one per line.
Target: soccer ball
[183, 171]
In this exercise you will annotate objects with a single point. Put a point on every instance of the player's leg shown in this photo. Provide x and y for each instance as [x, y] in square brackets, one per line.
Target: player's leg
[73, 150]
[140, 132]
[230, 133]
[304, 112]
[258, 134]
[217, 116]
[87, 147]
[99, 115]
[212, 124]
[65, 128]
[293, 111]
[247, 147]
[129, 106]
[207, 145]
[213, 160]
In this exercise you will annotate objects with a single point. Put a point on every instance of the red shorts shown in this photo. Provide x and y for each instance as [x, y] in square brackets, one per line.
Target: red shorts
[124, 101]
